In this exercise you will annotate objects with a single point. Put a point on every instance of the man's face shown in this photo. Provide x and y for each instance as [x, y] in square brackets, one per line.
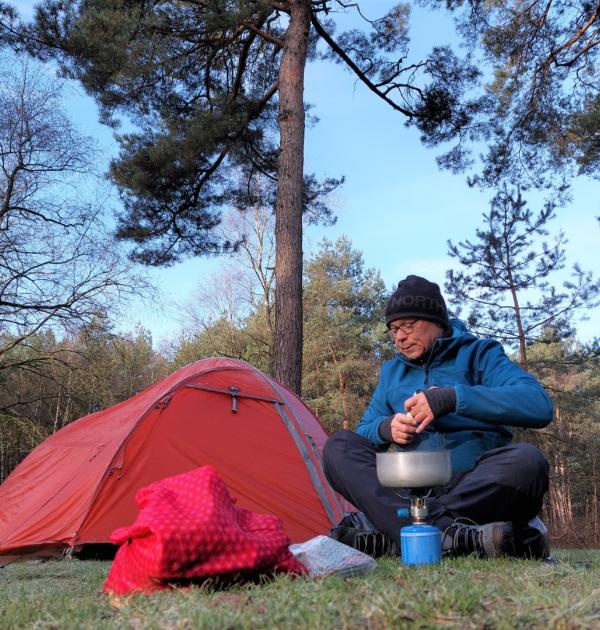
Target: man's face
[414, 337]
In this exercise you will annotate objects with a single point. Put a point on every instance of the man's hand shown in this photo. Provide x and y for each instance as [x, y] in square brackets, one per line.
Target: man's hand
[418, 407]
[403, 428]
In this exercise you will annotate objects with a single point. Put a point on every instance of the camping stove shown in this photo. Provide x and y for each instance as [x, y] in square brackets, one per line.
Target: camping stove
[412, 473]
[420, 543]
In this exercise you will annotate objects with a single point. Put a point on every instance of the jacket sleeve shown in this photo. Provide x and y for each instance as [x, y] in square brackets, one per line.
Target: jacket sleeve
[378, 410]
[507, 394]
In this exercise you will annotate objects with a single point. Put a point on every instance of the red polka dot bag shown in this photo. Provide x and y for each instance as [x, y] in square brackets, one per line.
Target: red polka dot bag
[188, 527]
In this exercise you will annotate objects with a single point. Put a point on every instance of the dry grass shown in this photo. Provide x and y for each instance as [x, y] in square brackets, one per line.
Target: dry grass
[463, 593]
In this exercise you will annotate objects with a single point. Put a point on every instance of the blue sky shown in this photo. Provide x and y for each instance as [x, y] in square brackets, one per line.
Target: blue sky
[396, 206]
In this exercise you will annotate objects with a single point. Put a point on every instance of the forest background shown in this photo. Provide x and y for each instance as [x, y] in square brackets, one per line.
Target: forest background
[399, 210]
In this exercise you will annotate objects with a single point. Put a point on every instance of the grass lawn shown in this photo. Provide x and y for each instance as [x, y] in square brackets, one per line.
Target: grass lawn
[460, 593]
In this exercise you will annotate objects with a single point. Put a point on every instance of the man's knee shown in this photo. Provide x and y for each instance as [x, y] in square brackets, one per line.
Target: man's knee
[530, 461]
[345, 453]
[519, 462]
[336, 447]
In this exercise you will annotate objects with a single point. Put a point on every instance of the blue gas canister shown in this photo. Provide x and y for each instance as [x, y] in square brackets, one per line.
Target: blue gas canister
[421, 544]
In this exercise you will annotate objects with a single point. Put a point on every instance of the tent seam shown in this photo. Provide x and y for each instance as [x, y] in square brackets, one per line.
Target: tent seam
[330, 503]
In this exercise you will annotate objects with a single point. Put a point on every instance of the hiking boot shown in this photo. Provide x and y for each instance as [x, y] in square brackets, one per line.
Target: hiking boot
[531, 540]
[356, 531]
[492, 540]
[376, 545]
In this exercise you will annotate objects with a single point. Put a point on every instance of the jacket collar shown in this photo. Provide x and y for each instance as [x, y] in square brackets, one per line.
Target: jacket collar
[453, 337]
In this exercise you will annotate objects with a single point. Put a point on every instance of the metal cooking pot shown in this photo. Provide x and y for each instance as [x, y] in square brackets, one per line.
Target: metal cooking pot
[414, 469]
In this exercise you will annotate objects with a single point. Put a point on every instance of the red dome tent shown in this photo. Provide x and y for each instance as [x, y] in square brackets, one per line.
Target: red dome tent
[79, 485]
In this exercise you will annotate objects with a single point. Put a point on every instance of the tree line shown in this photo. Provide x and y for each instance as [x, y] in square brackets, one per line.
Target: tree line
[345, 343]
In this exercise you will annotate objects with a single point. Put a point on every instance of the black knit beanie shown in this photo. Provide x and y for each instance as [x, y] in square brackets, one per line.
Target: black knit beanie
[418, 298]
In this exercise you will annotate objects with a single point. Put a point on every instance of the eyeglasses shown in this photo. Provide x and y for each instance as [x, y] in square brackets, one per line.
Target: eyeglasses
[406, 327]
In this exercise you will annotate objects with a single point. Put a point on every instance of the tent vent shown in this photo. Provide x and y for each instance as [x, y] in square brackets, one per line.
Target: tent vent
[234, 397]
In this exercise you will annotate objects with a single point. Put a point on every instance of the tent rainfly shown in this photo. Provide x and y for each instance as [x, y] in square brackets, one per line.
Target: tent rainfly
[79, 485]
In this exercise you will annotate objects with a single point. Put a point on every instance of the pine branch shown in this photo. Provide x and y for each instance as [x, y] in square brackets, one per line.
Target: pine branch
[359, 73]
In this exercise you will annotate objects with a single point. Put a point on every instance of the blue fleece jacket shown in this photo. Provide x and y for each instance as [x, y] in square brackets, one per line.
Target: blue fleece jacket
[492, 394]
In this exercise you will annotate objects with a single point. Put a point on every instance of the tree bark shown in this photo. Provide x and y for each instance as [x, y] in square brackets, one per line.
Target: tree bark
[287, 360]
[516, 306]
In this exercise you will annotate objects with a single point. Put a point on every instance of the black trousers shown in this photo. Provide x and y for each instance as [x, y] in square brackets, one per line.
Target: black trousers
[506, 484]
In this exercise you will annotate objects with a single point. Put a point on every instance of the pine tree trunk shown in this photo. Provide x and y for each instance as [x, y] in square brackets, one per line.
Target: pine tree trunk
[287, 361]
[593, 520]
[519, 321]
[560, 505]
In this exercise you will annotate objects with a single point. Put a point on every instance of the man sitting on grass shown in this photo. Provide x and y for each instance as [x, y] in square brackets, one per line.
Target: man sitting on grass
[446, 380]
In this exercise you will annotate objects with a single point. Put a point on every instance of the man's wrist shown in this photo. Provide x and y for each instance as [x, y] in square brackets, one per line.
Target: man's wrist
[442, 400]
[385, 430]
